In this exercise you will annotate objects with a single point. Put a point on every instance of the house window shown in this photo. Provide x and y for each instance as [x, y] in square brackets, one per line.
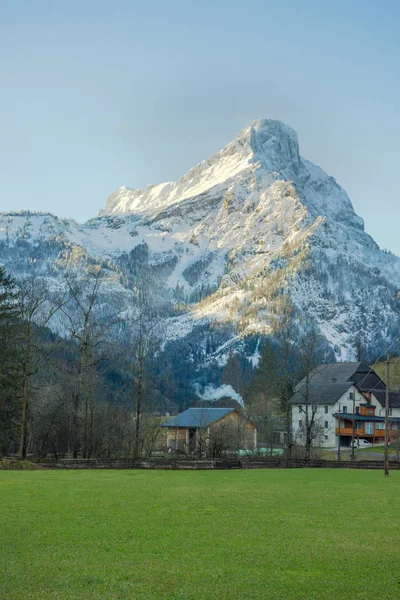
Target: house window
[357, 410]
[380, 425]
[351, 395]
[326, 410]
[300, 408]
[326, 437]
[369, 428]
[345, 409]
[359, 424]
[326, 424]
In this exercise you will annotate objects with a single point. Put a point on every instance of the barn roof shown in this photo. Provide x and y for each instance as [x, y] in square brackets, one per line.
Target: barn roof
[394, 398]
[198, 417]
[357, 417]
[328, 383]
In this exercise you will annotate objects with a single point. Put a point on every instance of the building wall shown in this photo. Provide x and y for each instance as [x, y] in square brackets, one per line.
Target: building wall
[242, 432]
[380, 408]
[171, 437]
[328, 437]
[238, 434]
[324, 421]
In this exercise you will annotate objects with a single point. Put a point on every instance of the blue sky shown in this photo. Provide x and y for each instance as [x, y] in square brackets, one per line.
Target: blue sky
[98, 94]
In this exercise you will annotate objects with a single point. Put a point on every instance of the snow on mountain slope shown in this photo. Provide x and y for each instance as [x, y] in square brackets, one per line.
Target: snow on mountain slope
[229, 240]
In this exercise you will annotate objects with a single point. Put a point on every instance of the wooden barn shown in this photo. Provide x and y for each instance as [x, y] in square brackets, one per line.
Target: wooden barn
[210, 430]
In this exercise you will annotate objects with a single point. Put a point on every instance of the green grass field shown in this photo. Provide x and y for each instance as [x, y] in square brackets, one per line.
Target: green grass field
[263, 534]
[379, 450]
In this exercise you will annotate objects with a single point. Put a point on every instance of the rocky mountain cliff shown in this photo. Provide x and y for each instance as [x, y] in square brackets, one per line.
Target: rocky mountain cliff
[227, 244]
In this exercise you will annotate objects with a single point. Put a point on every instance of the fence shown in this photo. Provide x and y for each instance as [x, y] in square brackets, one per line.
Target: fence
[182, 464]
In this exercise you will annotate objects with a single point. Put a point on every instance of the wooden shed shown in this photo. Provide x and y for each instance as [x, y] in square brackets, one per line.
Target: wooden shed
[213, 430]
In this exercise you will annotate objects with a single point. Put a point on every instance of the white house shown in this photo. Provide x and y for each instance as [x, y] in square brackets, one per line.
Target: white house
[335, 396]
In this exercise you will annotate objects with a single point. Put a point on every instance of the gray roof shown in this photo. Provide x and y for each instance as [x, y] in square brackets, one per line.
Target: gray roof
[394, 397]
[327, 383]
[357, 417]
[198, 417]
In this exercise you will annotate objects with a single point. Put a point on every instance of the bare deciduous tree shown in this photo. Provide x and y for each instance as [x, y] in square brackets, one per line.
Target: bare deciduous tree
[287, 369]
[36, 307]
[88, 327]
[143, 339]
[275, 379]
[309, 346]
[9, 363]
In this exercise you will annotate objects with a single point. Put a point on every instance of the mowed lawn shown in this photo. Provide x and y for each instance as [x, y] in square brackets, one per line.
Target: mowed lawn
[265, 534]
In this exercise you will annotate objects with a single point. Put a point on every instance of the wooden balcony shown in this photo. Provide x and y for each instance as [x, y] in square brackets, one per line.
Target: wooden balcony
[348, 431]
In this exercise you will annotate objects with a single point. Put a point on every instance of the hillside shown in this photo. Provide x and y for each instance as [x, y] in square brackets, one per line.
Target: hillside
[225, 246]
[380, 368]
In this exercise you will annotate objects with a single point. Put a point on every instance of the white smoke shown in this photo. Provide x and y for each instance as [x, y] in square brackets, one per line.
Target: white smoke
[212, 393]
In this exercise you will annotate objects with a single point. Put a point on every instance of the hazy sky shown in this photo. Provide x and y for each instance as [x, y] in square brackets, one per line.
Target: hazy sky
[99, 94]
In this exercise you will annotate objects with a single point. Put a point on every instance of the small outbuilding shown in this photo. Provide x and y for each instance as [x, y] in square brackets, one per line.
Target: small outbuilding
[211, 430]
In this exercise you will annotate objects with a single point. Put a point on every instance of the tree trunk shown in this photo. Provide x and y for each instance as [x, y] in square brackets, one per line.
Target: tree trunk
[85, 429]
[78, 397]
[25, 396]
[23, 433]
[308, 445]
[289, 441]
[75, 426]
[308, 427]
[91, 449]
[136, 449]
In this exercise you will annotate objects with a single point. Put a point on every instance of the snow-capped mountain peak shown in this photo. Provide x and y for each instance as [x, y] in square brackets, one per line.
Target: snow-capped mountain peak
[251, 224]
[264, 152]
[267, 143]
